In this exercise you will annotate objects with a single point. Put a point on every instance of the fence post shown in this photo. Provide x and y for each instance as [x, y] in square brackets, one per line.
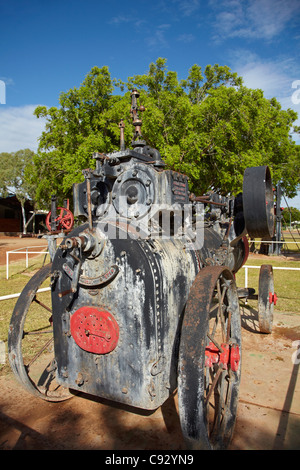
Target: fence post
[7, 268]
[246, 276]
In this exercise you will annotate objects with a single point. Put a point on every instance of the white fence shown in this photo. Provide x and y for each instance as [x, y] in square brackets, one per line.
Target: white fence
[12, 296]
[27, 252]
[258, 267]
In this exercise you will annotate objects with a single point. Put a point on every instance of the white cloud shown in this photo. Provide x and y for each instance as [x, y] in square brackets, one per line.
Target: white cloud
[253, 19]
[19, 128]
[274, 76]
[120, 19]
[270, 17]
[186, 38]
[158, 36]
[270, 76]
[188, 7]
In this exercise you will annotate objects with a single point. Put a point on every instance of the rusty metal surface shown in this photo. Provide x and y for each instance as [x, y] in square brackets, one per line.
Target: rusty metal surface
[266, 298]
[205, 384]
[40, 381]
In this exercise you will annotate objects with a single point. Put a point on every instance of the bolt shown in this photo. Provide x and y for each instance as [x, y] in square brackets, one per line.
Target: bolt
[79, 380]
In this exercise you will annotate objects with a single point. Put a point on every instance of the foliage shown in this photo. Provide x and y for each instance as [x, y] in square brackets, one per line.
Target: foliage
[208, 126]
[14, 174]
[291, 214]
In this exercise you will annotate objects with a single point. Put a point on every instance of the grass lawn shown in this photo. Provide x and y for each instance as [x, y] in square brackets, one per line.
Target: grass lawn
[286, 283]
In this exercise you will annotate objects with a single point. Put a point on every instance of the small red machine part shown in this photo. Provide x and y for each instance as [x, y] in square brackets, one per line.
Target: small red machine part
[94, 330]
[272, 298]
[64, 219]
[228, 355]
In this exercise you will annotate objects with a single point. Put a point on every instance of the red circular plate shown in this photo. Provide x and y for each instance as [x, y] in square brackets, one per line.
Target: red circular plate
[94, 330]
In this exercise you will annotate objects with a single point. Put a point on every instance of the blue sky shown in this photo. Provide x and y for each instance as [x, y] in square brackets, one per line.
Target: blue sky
[49, 47]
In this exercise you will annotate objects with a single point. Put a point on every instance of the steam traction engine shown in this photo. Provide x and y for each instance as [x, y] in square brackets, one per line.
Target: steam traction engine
[143, 294]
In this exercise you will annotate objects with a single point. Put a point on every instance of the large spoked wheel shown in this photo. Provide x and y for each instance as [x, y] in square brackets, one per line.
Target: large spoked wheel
[266, 298]
[30, 341]
[209, 360]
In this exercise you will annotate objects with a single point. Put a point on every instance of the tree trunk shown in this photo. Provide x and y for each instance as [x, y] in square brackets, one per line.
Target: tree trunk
[24, 218]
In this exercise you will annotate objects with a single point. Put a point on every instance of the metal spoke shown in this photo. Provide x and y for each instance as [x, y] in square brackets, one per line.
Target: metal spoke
[215, 342]
[221, 296]
[37, 355]
[37, 332]
[214, 383]
[42, 304]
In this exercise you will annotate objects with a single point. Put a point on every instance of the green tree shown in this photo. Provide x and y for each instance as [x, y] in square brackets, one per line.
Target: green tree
[15, 178]
[290, 214]
[208, 126]
[80, 126]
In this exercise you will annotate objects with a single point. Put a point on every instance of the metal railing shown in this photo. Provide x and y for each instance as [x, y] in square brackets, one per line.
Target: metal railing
[26, 252]
[246, 267]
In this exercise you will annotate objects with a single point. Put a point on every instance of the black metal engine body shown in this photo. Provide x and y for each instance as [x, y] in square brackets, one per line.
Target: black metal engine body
[120, 281]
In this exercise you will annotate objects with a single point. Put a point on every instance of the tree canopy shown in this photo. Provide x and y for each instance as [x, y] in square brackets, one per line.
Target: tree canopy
[208, 126]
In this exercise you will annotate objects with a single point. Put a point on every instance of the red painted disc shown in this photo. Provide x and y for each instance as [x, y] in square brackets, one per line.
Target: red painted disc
[94, 330]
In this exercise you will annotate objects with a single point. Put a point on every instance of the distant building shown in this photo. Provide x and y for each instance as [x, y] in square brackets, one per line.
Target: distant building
[11, 221]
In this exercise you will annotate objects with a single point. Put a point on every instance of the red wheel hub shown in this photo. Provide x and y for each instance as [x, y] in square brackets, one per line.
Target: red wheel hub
[94, 330]
[227, 355]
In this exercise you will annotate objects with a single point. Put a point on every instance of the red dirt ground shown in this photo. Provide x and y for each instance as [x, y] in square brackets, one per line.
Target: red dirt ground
[13, 243]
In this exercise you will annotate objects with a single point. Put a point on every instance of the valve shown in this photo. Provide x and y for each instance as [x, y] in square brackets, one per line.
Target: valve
[63, 221]
[85, 242]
